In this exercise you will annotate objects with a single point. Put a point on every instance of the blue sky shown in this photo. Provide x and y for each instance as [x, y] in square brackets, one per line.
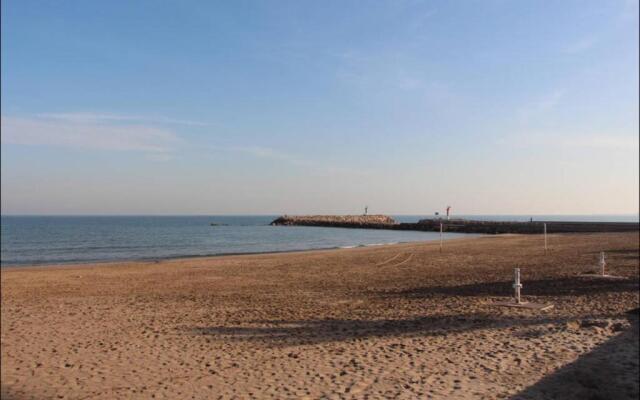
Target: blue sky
[178, 107]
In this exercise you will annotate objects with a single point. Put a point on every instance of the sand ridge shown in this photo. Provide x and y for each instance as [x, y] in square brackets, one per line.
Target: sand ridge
[400, 321]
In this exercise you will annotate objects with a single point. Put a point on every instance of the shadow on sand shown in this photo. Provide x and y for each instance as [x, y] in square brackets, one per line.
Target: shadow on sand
[546, 287]
[625, 254]
[608, 372]
[294, 333]
[621, 251]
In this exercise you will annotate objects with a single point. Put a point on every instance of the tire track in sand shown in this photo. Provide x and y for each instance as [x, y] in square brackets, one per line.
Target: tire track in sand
[389, 260]
[402, 262]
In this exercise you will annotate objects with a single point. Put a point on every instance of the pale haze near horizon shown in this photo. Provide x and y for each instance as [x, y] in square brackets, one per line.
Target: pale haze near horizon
[492, 107]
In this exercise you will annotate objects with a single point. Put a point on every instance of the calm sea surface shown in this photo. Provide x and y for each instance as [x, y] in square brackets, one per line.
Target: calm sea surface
[35, 240]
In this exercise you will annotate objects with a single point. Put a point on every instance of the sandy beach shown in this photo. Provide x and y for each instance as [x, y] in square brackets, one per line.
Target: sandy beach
[401, 321]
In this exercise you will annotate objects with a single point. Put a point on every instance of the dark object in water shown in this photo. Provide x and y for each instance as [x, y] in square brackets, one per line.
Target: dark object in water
[216, 224]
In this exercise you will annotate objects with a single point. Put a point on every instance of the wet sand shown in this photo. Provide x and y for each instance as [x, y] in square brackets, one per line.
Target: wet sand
[401, 321]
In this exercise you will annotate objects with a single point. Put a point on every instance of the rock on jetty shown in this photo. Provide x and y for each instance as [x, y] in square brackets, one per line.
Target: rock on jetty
[338, 221]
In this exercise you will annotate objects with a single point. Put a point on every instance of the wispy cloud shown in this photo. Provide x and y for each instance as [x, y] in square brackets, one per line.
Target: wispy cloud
[90, 117]
[549, 140]
[396, 80]
[599, 142]
[87, 134]
[279, 156]
[540, 105]
[267, 153]
[580, 46]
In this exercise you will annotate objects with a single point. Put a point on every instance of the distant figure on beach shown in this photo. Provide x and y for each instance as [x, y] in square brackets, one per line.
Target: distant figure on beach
[366, 209]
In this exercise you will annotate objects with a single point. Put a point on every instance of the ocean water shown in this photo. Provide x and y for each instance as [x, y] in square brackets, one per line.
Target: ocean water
[61, 240]
[33, 240]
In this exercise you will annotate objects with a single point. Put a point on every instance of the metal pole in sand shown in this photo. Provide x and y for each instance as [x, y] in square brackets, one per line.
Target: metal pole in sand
[440, 237]
[603, 263]
[545, 238]
[517, 285]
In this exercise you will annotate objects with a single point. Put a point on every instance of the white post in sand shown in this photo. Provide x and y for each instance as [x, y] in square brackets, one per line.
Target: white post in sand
[545, 238]
[440, 237]
[517, 285]
[518, 301]
[603, 271]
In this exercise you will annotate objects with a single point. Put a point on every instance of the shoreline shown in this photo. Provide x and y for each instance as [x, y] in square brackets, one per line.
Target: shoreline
[89, 264]
[97, 263]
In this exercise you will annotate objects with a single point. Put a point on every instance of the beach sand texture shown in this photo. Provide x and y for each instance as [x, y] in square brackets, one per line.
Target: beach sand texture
[400, 321]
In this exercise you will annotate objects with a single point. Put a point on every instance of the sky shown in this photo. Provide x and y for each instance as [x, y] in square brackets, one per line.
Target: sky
[274, 107]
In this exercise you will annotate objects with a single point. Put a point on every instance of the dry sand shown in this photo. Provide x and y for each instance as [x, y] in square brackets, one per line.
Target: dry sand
[400, 321]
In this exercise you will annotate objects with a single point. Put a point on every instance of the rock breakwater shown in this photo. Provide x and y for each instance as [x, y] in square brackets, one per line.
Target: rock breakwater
[338, 221]
[454, 225]
[535, 227]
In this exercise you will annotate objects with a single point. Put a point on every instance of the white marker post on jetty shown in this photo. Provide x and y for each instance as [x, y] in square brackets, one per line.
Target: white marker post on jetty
[602, 274]
[517, 300]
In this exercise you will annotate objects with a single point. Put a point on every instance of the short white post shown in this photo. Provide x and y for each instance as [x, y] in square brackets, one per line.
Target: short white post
[545, 238]
[517, 285]
[603, 263]
[440, 237]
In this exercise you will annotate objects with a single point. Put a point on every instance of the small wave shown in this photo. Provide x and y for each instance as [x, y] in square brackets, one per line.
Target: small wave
[380, 244]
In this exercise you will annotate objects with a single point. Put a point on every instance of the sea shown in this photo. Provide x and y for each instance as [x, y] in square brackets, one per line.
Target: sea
[37, 240]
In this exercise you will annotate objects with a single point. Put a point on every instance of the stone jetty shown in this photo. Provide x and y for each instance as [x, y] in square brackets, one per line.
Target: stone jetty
[495, 227]
[453, 225]
[339, 221]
